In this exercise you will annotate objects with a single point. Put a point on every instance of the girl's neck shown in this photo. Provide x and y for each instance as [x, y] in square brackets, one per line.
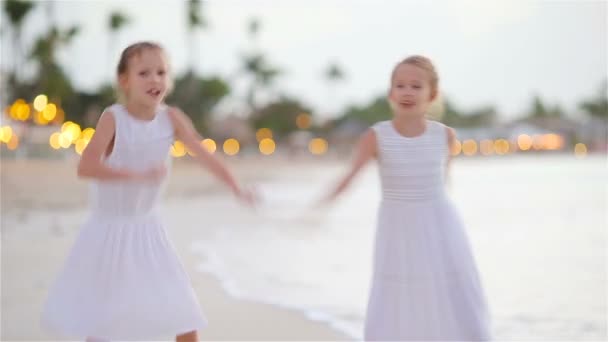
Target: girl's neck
[409, 125]
[140, 111]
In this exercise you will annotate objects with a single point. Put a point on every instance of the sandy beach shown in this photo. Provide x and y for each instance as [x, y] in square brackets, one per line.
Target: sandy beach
[43, 204]
[285, 272]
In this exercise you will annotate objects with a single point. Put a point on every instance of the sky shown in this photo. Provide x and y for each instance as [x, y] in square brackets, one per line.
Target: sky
[493, 52]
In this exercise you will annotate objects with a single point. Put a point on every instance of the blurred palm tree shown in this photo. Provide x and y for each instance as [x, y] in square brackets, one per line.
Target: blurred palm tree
[51, 79]
[333, 75]
[198, 96]
[195, 21]
[279, 116]
[256, 66]
[597, 106]
[16, 11]
[456, 117]
[539, 109]
[116, 22]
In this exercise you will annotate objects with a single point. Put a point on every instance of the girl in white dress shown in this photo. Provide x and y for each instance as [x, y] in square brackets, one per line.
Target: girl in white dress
[425, 283]
[122, 279]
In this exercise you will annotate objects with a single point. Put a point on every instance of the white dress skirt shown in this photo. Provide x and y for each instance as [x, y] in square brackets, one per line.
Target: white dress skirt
[122, 279]
[425, 282]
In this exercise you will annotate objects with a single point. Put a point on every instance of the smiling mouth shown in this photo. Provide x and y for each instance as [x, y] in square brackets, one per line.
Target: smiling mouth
[153, 92]
[407, 104]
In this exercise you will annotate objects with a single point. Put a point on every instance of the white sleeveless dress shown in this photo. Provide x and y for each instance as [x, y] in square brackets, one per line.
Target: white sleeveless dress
[425, 283]
[122, 279]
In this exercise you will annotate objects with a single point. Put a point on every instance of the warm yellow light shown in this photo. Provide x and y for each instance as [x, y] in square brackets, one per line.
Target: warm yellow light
[524, 142]
[209, 145]
[456, 148]
[263, 133]
[178, 149]
[303, 121]
[267, 146]
[14, 109]
[65, 126]
[71, 131]
[6, 134]
[231, 147]
[501, 146]
[469, 147]
[318, 146]
[39, 119]
[23, 112]
[59, 117]
[80, 145]
[552, 141]
[87, 133]
[54, 140]
[64, 141]
[49, 112]
[580, 150]
[40, 102]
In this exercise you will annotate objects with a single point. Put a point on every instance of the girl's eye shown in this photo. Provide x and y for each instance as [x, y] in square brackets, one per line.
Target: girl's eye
[143, 73]
[161, 72]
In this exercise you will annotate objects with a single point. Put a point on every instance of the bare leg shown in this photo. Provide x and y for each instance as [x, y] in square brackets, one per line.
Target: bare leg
[187, 337]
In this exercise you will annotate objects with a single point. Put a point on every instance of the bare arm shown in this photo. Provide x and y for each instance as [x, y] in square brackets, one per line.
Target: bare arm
[185, 131]
[451, 142]
[365, 151]
[91, 164]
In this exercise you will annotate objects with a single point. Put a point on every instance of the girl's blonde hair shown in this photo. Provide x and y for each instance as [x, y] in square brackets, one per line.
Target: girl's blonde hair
[131, 51]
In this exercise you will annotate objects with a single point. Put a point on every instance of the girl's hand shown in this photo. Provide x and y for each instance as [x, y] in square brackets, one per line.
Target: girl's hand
[248, 195]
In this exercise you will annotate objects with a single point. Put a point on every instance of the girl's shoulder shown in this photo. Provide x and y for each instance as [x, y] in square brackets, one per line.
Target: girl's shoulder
[112, 112]
[114, 108]
[380, 126]
[442, 129]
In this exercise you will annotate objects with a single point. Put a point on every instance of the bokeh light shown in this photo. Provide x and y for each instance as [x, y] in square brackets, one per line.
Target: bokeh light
[524, 142]
[263, 133]
[318, 146]
[501, 146]
[580, 150]
[49, 112]
[469, 147]
[552, 141]
[456, 148]
[231, 147]
[80, 145]
[267, 146]
[6, 133]
[209, 145]
[54, 140]
[178, 149]
[303, 121]
[71, 131]
[40, 102]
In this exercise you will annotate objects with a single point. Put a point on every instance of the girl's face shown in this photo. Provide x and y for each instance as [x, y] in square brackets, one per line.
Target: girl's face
[146, 80]
[411, 92]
